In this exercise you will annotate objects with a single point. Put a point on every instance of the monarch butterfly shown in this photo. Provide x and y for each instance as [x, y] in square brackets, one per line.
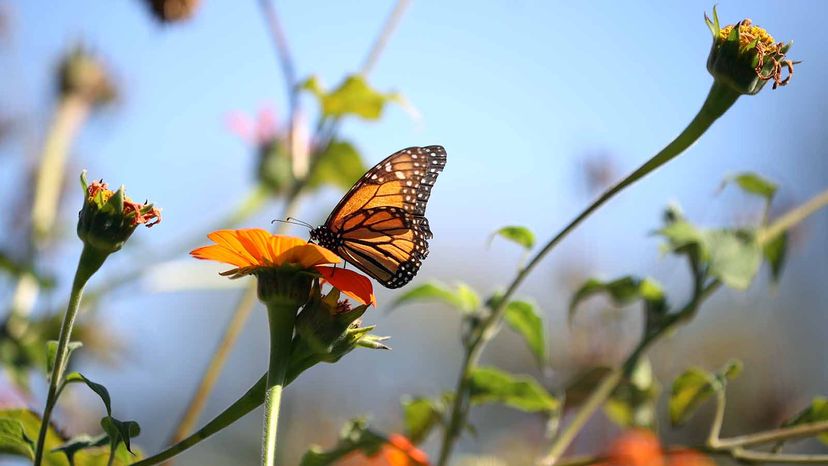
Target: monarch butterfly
[379, 226]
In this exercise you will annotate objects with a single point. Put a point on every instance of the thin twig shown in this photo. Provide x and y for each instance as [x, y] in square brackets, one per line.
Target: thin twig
[382, 40]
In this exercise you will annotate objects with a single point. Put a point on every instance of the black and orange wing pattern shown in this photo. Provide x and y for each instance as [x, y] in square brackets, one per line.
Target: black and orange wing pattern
[379, 226]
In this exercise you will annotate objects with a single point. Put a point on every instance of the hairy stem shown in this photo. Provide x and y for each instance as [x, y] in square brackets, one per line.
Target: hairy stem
[719, 99]
[281, 318]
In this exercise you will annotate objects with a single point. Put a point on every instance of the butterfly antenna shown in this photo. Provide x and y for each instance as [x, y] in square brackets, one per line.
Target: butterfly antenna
[293, 221]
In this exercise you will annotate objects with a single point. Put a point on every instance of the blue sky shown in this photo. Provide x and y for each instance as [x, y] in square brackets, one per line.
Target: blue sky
[517, 91]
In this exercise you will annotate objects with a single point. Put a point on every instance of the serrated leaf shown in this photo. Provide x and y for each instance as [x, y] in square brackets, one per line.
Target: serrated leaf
[120, 431]
[622, 292]
[817, 411]
[776, 252]
[51, 353]
[464, 298]
[754, 184]
[100, 390]
[735, 257]
[13, 439]
[489, 385]
[420, 416]
[516, 234]
[353, 97]
[339, 165]
[522, 317]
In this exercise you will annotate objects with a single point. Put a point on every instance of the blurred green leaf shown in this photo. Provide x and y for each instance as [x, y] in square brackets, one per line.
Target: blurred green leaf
[13, 440]
[817, 411]
[81, 442]
[690, 390]
[776, 252]
[735, 256]
[752, 183]
[100, 390]
[339, 165]
[695, 386]
[353, 97]
[490, 385]
[623, 292]
[463, 298]
[520, 235]
[522, 317]
[633, 402]
[51, 354]
[30, 421]
[420, 416]
[120, 431]
[355, 436]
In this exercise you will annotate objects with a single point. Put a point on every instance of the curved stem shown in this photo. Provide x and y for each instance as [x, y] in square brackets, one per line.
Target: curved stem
[281, 318]
[382, 40]
[718, 100]
[90, 261]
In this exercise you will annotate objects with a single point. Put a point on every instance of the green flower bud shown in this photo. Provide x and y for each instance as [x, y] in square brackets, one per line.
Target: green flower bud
[744, 56]
[108, 218]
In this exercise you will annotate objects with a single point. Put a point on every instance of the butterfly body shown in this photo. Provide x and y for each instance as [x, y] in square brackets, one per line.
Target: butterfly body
[379, 226]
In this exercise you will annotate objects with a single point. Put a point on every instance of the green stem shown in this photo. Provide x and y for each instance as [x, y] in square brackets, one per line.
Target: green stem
[90, 261]
[785, 222]
[281, 319]
[719, 99]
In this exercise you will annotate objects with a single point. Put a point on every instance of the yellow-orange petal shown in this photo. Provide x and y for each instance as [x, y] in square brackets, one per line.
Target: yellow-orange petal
[353, 284]
[219, 253]
[309, 255]
[230, 240]
[401, 452]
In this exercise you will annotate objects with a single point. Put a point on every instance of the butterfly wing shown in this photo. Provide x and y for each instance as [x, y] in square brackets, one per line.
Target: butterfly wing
[381, 220]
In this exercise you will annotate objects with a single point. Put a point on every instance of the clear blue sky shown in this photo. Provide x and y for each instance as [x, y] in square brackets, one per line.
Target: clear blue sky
[517, 91]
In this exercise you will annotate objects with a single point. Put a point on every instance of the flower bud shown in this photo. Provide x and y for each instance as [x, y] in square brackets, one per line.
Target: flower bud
[108, 218]
[744, 56]
[81, 74]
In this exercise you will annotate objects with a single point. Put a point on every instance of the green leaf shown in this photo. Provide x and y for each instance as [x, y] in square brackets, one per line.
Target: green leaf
[355, 436]
[754, 184]
[339, 165]
[120, 432]
[77, 377]
[623, 292]
[464, 298]
[817, 411]
[633, 402]
[690, 390]
[81, 442]
[735, 257]
[776, 252]
[30, 421]
[353, 97]
[51, 353]
[523, 319]
[420, 416]
[490, 385]
[13, 439]
[520, 235]
[695, 386]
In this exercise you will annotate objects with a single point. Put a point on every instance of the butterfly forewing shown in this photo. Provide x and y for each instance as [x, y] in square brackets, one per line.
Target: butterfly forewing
[380, 225]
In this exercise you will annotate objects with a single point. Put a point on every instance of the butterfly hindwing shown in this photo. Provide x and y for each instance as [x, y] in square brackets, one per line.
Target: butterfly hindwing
[379, 226]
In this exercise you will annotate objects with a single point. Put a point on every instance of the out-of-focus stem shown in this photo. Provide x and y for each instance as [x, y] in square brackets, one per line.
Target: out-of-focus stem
[387, 31]
[718, 101]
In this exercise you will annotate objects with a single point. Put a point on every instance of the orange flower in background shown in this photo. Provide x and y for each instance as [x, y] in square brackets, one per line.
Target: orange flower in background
[399, 451]
[253, 250]
[641, 447]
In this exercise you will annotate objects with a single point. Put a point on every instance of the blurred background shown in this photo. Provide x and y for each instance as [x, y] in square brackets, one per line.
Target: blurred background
[539, 104]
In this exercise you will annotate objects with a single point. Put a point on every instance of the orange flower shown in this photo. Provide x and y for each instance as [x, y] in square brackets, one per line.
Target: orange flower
[398, 451]
[641, 447]
[253, 250]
